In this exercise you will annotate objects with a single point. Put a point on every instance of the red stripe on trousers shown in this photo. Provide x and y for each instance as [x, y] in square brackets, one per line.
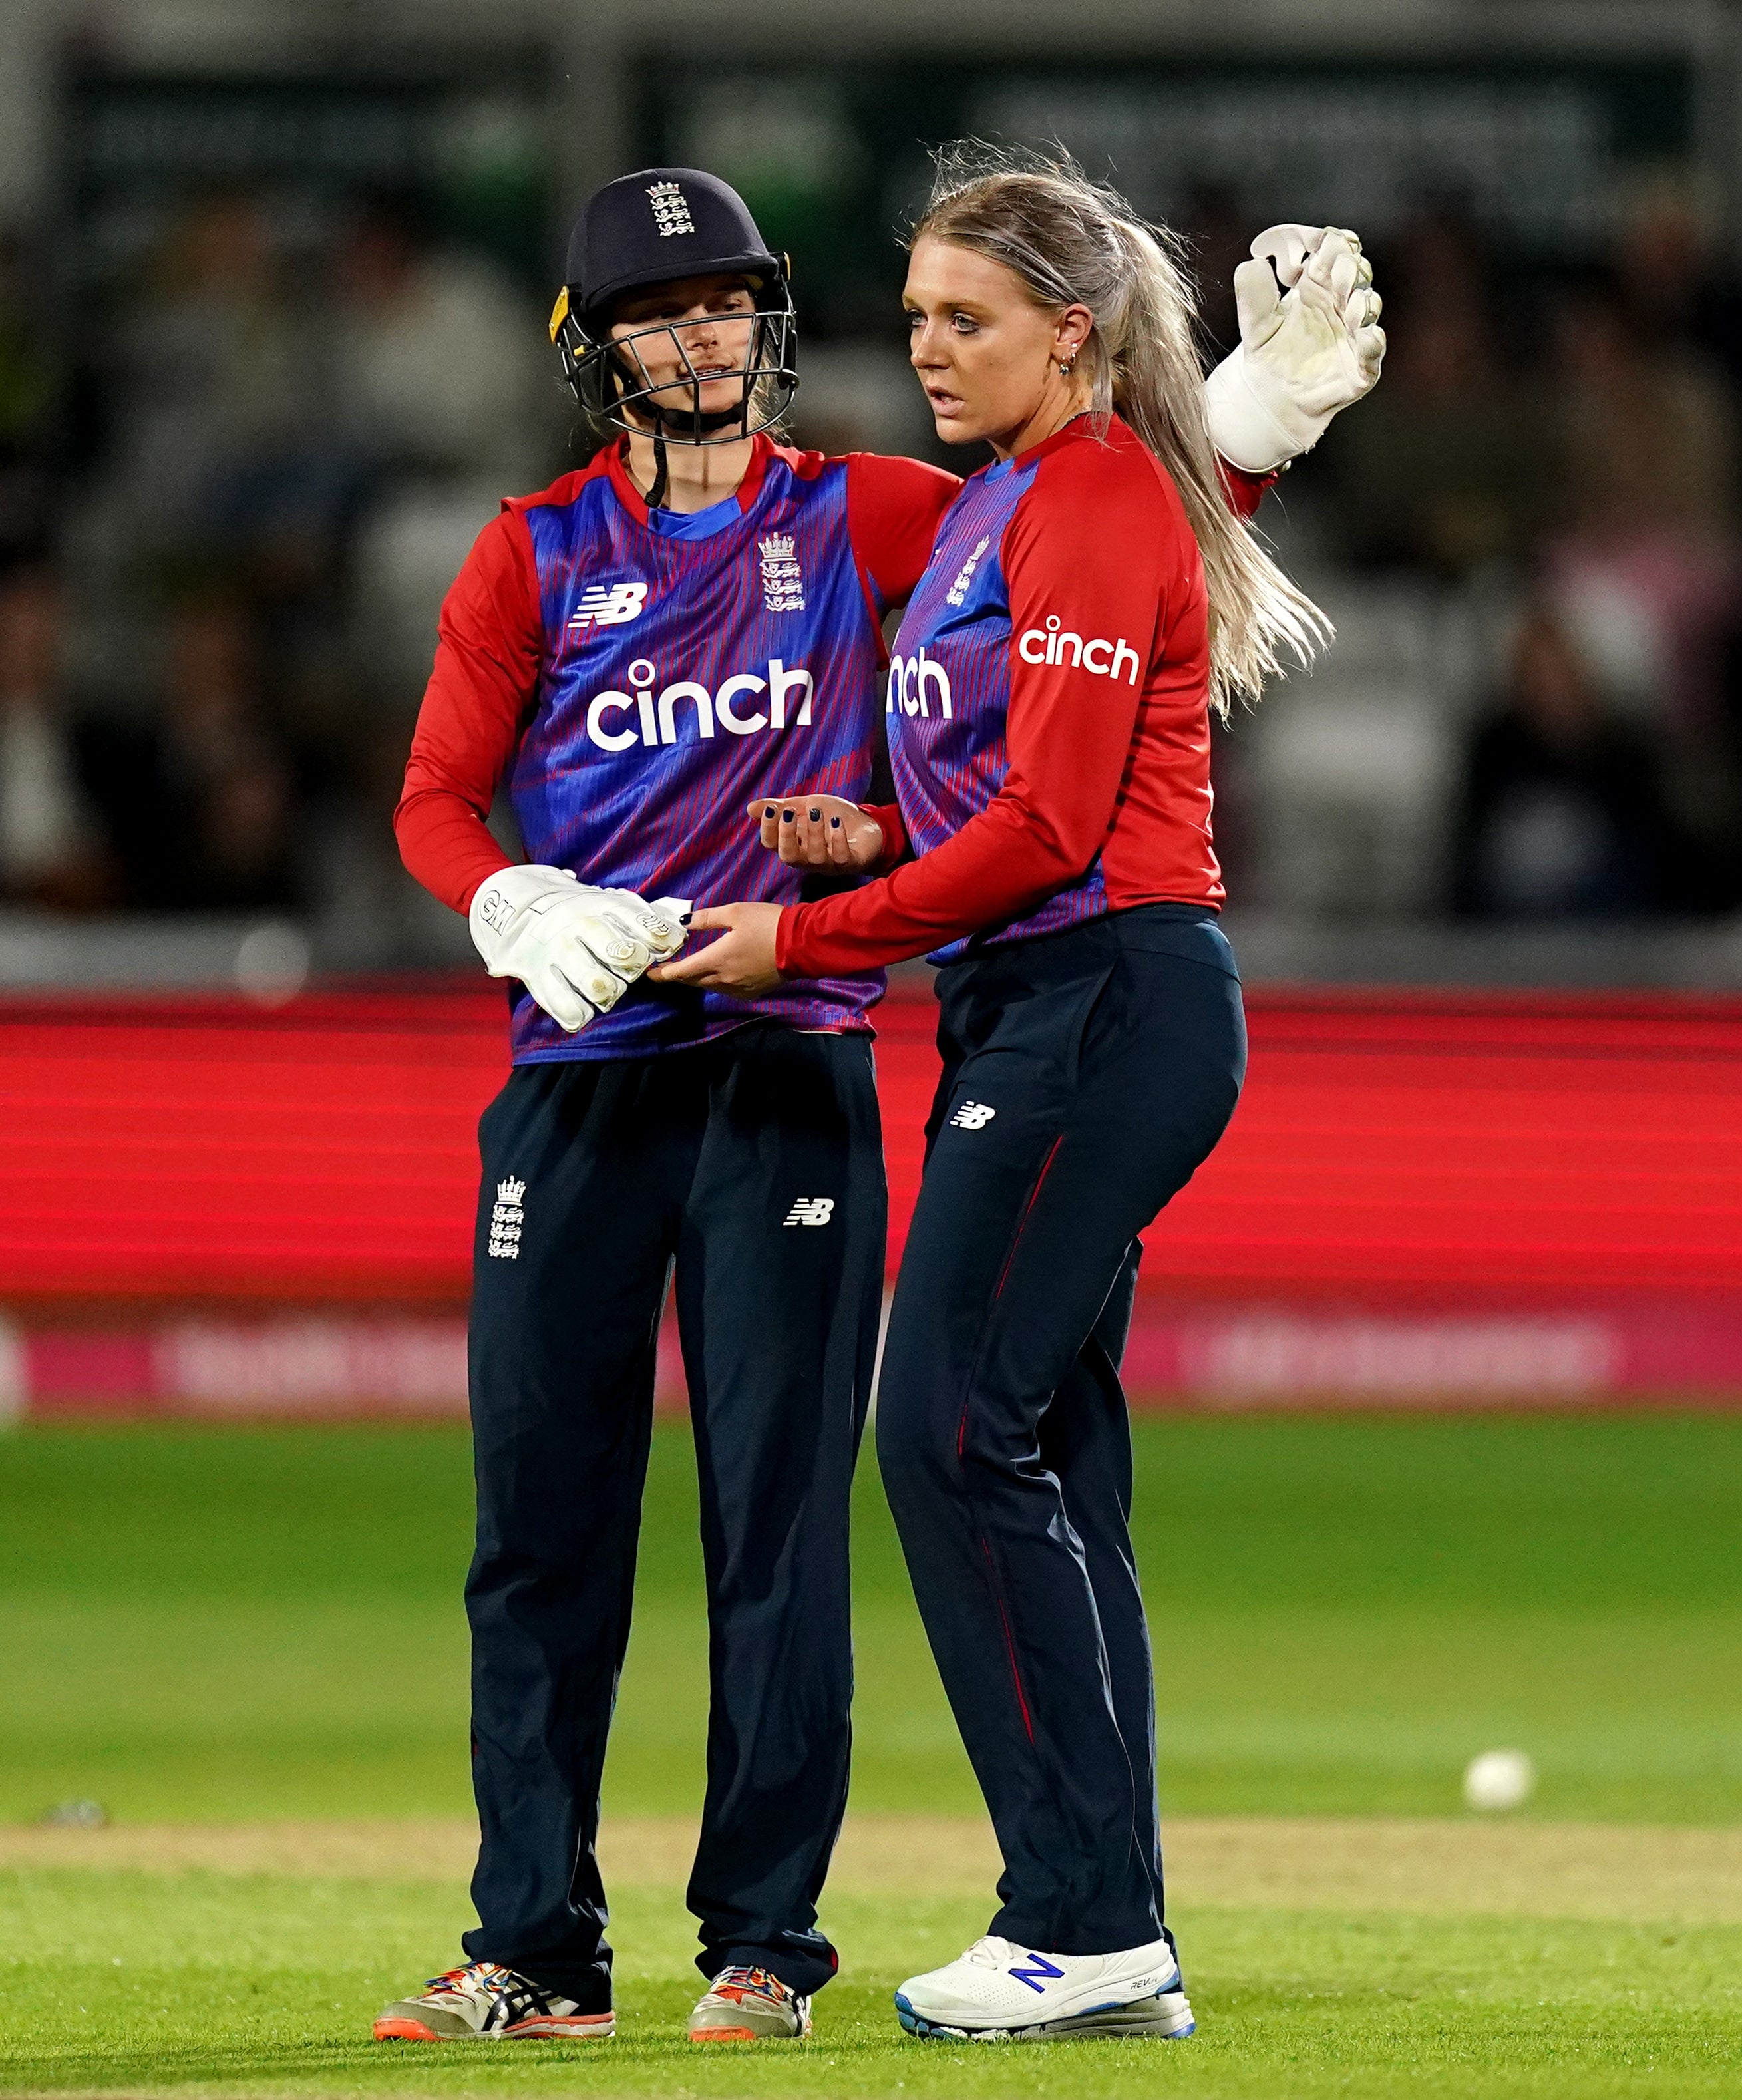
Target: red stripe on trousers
[1033, 1194]
[1010, 1645]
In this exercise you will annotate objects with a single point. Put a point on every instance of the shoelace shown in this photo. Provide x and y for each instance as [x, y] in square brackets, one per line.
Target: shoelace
[753, 1980]
[509, 1994]
[990, 1953]
[458, 1979]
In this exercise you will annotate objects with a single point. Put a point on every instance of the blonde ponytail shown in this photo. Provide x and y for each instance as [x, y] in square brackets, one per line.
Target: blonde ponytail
[1072, 242]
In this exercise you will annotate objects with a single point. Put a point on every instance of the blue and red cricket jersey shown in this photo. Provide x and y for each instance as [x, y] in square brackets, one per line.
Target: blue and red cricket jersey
[653, 676]
[1047, 707]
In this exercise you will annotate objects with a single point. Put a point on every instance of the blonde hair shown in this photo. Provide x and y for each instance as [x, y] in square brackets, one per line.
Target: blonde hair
[1072, 242]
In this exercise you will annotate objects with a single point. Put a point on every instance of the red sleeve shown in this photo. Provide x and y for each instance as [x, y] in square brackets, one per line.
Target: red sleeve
[1067, 733]
[1245, 492]
[893, 510]
[490, 639]
[895, 841]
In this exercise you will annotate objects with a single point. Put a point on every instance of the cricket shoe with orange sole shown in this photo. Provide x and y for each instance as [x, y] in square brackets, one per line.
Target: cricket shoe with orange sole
[748, 2004]
[483, 2001]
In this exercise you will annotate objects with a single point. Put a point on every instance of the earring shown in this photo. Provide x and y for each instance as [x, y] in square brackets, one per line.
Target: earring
[1064, 368]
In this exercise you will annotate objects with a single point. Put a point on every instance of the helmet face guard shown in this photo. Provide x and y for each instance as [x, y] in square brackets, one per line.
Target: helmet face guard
[609, 376]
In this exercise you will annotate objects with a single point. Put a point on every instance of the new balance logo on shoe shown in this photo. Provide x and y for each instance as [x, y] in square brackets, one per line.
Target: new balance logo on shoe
[972, 1115]
[810, 1211]
[608, 605]
[506, 1218]
[1038, 1970]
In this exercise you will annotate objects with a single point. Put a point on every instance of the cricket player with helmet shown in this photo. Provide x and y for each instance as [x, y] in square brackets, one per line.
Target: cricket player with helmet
[688, 624]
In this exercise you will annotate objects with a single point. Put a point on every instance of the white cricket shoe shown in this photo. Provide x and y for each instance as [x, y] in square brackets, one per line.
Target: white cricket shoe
[483, 2001]
[998, 1991]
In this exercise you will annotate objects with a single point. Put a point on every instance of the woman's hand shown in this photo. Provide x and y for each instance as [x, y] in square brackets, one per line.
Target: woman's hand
[741, 962]
[819, 830]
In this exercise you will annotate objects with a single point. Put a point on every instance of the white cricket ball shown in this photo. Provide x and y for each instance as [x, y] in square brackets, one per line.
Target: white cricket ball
[1499, 1779]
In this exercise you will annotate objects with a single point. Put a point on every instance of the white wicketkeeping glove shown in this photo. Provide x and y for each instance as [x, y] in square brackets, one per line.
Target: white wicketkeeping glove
[1305, 352]
[577, 949]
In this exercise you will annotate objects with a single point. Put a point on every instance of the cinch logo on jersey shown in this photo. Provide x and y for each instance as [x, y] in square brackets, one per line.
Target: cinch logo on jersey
[915, 683]
[1050, 645]
[810, 1211]
[654, 720]
[608, 605]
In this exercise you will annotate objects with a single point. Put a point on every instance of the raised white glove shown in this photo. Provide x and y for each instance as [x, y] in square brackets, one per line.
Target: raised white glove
[1306, 352]
[576, 948]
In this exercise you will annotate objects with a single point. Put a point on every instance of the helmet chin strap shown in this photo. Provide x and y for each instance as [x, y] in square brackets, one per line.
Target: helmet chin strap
[695, 423]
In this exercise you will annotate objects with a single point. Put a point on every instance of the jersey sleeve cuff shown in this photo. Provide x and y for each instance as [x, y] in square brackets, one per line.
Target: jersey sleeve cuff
[1245, 490]
[475, 883]
[895, 842]
[786, 934]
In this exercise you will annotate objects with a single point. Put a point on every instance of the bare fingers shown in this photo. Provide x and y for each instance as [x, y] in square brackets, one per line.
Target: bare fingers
[817, 832]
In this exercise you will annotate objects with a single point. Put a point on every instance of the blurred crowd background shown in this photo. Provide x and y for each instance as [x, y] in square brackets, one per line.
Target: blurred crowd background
[272, 300]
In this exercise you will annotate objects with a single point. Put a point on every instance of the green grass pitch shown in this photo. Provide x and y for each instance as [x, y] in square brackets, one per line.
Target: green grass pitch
[220, 1626]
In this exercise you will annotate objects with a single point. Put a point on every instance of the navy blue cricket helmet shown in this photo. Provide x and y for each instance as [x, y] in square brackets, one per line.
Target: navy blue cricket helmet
[653, 228]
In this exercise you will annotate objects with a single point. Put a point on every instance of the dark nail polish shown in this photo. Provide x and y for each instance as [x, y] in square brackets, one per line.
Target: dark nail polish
[787, 815]
[816, 816]
[834, 823]
[769, 810]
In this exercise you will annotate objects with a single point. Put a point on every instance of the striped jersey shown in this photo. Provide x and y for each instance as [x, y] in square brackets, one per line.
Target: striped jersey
[1047, 705]
[667, 670]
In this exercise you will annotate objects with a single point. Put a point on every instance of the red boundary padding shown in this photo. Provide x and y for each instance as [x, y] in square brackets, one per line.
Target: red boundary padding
[1393, 1150]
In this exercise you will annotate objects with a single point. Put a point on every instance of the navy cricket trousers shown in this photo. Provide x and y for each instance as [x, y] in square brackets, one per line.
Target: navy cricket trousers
[756, 1163]
[1086, 1075]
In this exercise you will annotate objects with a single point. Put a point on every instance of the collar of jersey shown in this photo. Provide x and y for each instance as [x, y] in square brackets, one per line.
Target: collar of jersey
[1077, 427]
[693, 524]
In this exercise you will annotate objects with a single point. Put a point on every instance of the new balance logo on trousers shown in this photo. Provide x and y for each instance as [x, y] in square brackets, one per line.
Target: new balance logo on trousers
[810, 1211]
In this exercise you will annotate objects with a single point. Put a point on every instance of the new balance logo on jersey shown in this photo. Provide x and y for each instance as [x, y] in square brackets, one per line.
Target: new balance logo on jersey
[916, 684]
[972, 1115]
[1056, 644]
[736, 706]
[810, 1211]
[506, 1218]
[782, 579]
[670, 209]
[958, 591]
[608, 605]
